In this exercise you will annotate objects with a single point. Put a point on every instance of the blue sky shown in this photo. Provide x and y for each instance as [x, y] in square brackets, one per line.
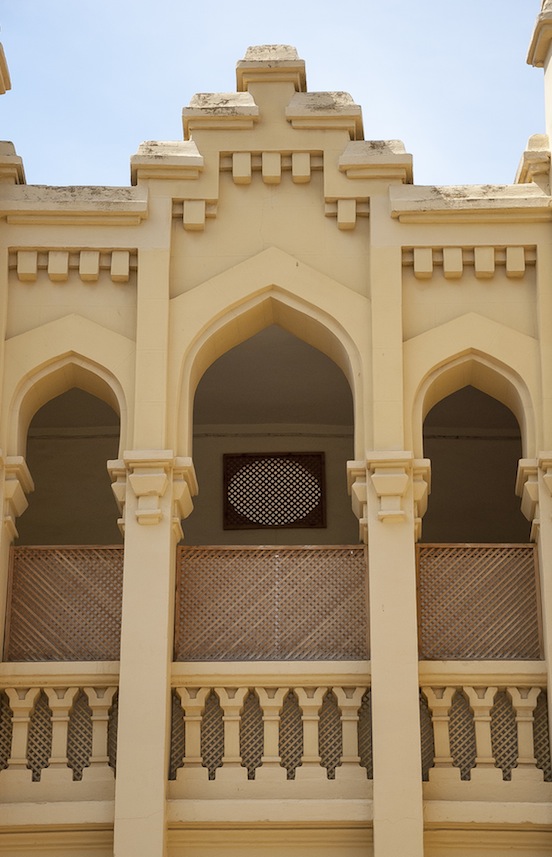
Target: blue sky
[91, 80]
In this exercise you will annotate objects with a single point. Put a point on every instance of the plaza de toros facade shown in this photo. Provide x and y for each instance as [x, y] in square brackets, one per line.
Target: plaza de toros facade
[276, 433]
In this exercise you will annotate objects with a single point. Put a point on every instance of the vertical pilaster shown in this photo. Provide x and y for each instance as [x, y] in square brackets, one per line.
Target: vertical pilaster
[158, 494]
[15, 484]
[388, 512]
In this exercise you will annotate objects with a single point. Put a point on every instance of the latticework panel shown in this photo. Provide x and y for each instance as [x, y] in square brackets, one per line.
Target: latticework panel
[271, 604]
[330, 735]
[39, 741]
[428, 745]
[6, 730]
[291, 735]
[178, 736]
[79, 736]
[462, 735]
[212, 735]
[112, 725]
[365, 734]
[541, 737]
[274, 490]
[251, 734]
[504, 736]
[65, 604]
[478, 601]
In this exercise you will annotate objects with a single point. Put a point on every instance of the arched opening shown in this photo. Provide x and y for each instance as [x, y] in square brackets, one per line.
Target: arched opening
[69, 441]
[272, 394]
[474, 443]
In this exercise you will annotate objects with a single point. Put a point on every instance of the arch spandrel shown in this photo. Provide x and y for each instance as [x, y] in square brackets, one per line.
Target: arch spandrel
[473, 350]
[47, 361]
[271, 288]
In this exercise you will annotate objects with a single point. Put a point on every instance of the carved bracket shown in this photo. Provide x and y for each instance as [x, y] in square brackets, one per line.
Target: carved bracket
[17, 483]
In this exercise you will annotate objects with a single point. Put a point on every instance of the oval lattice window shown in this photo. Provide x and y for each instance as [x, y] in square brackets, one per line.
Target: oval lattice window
[274, 490]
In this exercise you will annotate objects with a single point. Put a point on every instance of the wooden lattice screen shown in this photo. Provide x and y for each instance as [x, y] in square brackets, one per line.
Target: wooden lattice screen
[64, 604]
[259, 603]
[478, 601]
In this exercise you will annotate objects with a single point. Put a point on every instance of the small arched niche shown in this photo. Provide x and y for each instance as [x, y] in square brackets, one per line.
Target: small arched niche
[272, 394]
[474, 444]
[69, 441]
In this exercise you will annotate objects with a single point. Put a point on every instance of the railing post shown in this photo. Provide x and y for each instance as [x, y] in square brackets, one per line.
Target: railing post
[22, 702]
[310, 700]
[349, 700]
[193, 705]
[271, 701]
[60, 702]
[481, 701]
[231, 701]
[524, 700]
[100, 700]
[439, 700]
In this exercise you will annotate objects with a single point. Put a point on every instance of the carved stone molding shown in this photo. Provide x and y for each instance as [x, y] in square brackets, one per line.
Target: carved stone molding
[389, 475]
[17, 483]
[150, 473]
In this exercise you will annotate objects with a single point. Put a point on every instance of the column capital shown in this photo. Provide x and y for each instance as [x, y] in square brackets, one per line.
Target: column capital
[149, 474]
[390, 474]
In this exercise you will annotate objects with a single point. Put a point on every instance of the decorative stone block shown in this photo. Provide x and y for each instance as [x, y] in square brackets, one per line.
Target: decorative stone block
[484, 259]
[423, 263]
[346, 213]
[58, 265]
[453, 265]
[89, 266]
[272, 167]
[515, 262]
[241, 167]
[27, 265]
[194, 215]
[301, 167]
[120, 266]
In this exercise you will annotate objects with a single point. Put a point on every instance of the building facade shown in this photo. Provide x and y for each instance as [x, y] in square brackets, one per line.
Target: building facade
[307, 607]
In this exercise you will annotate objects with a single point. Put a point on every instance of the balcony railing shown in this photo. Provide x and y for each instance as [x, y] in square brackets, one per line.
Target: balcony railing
[478, 602]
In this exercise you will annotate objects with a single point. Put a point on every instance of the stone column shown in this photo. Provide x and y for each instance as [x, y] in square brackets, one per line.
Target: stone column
[157, 495]
[385, 501]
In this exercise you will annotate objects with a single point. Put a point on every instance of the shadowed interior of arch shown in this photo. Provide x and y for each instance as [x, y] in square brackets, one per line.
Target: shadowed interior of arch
[69, 442]
[474, 444]
[272, 393]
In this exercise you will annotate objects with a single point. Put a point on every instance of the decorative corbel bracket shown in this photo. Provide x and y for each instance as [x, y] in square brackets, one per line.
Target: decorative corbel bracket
[390, 476]
[17, 483]
[357, 487]
[527, 487]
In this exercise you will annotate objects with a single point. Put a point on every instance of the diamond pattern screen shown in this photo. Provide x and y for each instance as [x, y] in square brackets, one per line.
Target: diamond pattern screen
[277, 489]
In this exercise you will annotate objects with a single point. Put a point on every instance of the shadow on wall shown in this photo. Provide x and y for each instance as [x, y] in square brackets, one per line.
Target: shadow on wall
[70, 440]
[474, 444]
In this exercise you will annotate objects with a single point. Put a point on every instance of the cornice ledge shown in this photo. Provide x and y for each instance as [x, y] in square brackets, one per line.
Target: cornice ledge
[271, 64]
[535, 162]
[171, 159]
[415, 203]
[218, 110]
[90, 205]
[542, 36]
[325, 111]
[11, 165]
[377, 159]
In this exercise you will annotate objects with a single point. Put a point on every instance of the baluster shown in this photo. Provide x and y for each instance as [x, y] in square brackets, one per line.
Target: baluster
[193, 704]
[99, 700]
[439, 700]
[349, 700]
[524, 700]
[22, 701]
[271, 700]
[481, 701]
[60, 701]
[231, 701]
[310, 700]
